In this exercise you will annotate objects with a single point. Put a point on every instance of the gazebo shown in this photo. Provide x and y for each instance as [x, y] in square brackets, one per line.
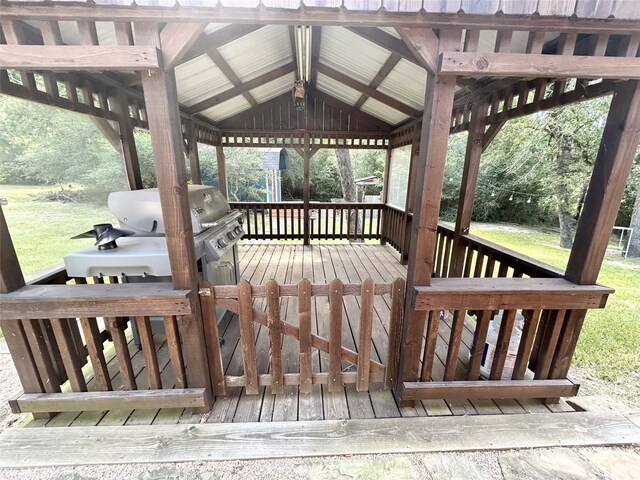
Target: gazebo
[322, 331]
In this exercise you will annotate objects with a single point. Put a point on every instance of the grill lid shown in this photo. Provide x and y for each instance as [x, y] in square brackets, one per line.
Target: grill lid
[140, 210]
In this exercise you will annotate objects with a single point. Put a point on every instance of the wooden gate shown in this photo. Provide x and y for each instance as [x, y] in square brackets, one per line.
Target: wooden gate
[261, 305]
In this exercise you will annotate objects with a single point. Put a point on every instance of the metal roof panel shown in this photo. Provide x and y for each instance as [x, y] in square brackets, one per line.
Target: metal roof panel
[351, 54]
[383, 112]
[406, 82]
[337, 90]
[227, 109]
[274, 88]
[199, 79]
[258, 52]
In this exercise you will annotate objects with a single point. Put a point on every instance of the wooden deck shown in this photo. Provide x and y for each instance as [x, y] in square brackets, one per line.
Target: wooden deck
[288, 263]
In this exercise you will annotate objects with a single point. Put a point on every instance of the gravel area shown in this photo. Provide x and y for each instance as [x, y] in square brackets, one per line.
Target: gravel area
[9, 388]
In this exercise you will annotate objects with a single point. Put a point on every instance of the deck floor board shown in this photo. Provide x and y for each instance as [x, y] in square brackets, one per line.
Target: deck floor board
[288, 264]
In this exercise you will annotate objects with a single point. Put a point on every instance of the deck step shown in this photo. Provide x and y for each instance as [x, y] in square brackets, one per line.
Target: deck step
[39, 447]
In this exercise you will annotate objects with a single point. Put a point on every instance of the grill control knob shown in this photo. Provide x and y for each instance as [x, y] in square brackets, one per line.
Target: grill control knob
[222, 243]
[238, 230]
[231, 235]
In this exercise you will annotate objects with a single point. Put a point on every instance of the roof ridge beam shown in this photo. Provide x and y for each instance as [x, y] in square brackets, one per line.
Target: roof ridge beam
[242, 88]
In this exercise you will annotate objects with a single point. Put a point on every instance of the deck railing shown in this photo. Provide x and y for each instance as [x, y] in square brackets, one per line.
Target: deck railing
[292, 339]
[62, 338]
[482, 258]
[327, 221]
[468, 305]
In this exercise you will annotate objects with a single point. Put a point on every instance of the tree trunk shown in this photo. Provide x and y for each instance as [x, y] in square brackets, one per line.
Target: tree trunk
[565, 217]
[634, 247]
[349, 191]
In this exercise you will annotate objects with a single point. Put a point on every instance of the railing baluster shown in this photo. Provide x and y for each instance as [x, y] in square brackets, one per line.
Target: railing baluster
[247, 337]
[175, 351]
[275, 337]
[531, 318]
[72, 365]
[96, 353]
[502, 344]
[44, 363]
[335, 335]
[116, 329]
[430, 345]
[479, 340]
[548, 345]
[454, 344]
[364, 342]
[395, 332]
[149, 352]
[304, 319]
[212, 338]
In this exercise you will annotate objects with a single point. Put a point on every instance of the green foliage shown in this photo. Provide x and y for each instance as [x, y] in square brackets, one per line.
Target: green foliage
[47, 146]
[324, 181]
[519, 177]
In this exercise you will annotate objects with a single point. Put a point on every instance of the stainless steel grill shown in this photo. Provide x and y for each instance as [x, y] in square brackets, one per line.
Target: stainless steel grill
[216, 229]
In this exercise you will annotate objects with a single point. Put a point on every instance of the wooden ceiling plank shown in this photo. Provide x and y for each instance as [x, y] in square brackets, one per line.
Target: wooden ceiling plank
[423, 43]
[363, 88]
[383, 73]
[177, 39]
[532, 65]
[218, 38]
[386, 41]
[242, 88]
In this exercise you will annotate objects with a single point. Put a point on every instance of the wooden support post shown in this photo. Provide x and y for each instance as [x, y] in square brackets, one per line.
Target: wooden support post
[222, 171]
[429, 174]
[411, 187]
[385, 193]
[120, 106]
[161, 100]
[192, 153]
[610, 174]
[306, 193]
[468, 186]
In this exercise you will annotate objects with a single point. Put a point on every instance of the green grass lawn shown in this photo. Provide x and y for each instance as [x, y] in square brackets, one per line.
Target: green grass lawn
[41, 231]
[610, 341]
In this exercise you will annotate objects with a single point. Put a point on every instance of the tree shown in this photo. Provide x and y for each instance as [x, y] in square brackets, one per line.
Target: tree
[349, 190]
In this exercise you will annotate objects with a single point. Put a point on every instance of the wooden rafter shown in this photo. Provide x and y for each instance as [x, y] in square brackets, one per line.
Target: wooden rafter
[316, 39]
[217, 39]
[242, 88]
[177, 39]
[386, 41]
[228, 72]
[363, 88]
[383, 73]
[423, 43]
